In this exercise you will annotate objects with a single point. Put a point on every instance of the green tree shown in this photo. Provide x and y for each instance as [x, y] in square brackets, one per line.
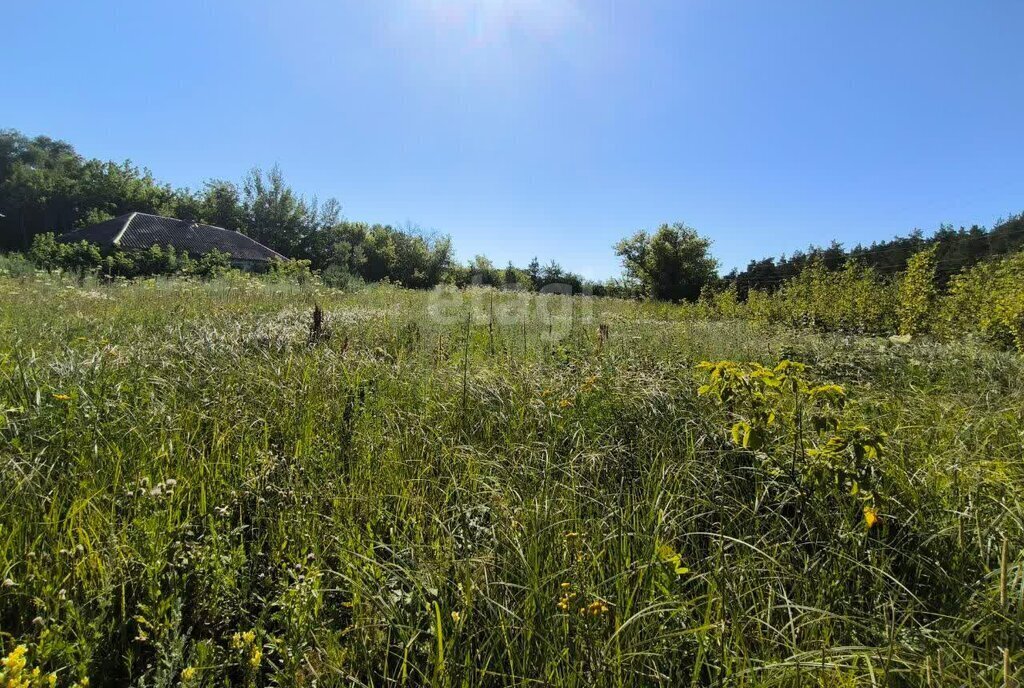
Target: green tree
[673, 264]
[917, 294]
[283, 220]
[533, 270]
[275, 214]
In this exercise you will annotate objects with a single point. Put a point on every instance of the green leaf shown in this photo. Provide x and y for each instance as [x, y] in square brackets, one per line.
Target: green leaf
[754, 438]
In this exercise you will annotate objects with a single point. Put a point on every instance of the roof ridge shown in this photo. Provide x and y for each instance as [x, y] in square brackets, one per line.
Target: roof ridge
[117, 237]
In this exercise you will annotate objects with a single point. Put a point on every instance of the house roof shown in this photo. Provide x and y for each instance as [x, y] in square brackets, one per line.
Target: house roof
[142, 230]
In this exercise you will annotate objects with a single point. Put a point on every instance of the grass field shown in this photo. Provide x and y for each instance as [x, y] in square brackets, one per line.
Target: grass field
[484, 488]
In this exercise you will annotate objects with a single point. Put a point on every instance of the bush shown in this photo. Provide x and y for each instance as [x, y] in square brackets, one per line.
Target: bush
[854, 299]
[987, 300]
[212, 264]
[297, 271]
[49, 254]
[16, 265]
[338, 277]
[917, 294]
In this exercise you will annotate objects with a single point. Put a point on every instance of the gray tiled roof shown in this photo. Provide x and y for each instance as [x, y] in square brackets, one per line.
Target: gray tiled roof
[141, 230]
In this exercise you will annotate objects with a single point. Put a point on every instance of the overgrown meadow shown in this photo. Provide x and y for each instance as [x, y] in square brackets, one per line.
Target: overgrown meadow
[204, 484]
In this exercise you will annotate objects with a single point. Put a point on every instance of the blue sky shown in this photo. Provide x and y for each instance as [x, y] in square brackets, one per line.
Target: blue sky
[553, 127]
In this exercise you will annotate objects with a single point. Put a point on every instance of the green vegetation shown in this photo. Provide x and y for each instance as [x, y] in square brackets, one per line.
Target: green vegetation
[46, 187]
[673, 264]
[807, 473]
[954, 249]
[482, 487]
[83, 258]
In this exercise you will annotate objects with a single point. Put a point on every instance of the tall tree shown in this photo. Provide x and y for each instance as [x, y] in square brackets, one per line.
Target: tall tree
[673, 264]
[275, 215]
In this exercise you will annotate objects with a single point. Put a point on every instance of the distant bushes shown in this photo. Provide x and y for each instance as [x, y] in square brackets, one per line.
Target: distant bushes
[84, 258]
[16, 265]
[986, 300]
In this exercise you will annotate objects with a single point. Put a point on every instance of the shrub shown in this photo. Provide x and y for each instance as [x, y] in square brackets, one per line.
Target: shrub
[212, 264]
[988, 300]
[855, 299]
[917, 294]
[297, 271]
[339, 277]
[16, 265]
[45, 251]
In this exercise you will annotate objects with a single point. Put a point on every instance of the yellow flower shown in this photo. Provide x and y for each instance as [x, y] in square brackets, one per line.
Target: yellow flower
[564, 403]
[566, 586]
[249, 637]
[62, 397]
[256, 657]
[571, 535]
[14, 663]
[456, 617]
[563, 603]
[188, 673]
[870, 516]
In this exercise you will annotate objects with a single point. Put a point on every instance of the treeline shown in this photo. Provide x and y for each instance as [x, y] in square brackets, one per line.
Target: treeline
[985, 301]
[955, 251]
[47, 186]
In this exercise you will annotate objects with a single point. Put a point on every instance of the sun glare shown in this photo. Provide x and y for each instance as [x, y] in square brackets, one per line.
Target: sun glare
[493, 22]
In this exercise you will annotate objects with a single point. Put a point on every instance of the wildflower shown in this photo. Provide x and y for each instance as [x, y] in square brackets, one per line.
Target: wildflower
[14, 663]
[595, 608]
[564, 403]
[669, 556]
[571, 535]
[563, 603]
[870, 516]
[188, 673]
[256, 657]
[8, 583]
[566, 586]
[62, 397]
[456, 617]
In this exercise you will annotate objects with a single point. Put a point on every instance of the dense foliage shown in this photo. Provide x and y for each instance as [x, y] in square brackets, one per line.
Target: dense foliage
[985, 302]
[201, 487]
[47, 187]
[672, 264]
[82, 258]
[954, 250]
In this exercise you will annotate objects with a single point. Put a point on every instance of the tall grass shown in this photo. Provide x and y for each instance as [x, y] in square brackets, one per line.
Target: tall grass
[434, 492]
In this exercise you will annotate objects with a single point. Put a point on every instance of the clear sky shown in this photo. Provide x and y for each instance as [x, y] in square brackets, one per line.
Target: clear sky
[552, 127]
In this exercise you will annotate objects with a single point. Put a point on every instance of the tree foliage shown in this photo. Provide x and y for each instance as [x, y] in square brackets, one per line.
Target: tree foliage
[672, 264]
[955, 250]
[918, 293]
